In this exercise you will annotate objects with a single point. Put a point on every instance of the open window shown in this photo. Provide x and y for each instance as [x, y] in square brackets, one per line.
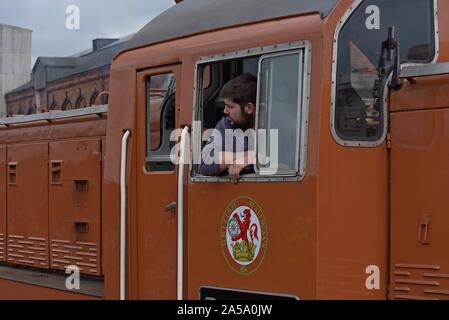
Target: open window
[282, 73]
[362, 63]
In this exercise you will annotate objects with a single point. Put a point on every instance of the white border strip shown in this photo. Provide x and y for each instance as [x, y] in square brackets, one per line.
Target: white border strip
[124, 149]
[182, 157]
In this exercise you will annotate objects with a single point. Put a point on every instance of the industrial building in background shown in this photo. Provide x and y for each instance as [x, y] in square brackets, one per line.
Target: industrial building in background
[15, 60]
[55, 83]
[65, 83]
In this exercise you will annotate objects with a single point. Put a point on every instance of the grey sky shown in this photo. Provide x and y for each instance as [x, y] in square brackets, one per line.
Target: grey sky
[98, 19]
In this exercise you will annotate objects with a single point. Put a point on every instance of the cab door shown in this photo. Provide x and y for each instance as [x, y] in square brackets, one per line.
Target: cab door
[155, 224]
[419, 190]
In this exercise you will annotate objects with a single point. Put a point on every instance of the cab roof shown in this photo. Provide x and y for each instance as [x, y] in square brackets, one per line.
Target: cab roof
[196, 16]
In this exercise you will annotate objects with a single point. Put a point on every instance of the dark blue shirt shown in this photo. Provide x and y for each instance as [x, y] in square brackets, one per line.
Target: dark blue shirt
[217, 143]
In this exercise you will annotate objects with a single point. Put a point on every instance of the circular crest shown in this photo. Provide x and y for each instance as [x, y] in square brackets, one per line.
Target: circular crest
[244, 235]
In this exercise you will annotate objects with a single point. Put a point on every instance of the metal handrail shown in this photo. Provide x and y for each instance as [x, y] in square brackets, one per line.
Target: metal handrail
[124, 149]
[182, 153]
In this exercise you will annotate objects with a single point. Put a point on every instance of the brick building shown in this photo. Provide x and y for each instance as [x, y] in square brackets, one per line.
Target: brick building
[63, 83]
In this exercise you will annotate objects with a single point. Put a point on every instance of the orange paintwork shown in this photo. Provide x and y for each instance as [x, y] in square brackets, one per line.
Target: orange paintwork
[419, 184]
[79, 162]
[328, 252]
[419, 267]
[415, 96]
[155, 229]
[43, 205]
[188, 50]
[322, 232]
[352, 203]
[27, 205]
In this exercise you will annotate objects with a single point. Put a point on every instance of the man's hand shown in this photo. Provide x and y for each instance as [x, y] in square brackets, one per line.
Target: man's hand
[235, 163]
[235, 170]
[241, 161]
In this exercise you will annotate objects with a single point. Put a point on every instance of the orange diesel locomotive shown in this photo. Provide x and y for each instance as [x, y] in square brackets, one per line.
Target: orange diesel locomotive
[358, 93]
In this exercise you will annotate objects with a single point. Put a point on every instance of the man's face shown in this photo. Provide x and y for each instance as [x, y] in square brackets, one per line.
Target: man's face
[238, 119]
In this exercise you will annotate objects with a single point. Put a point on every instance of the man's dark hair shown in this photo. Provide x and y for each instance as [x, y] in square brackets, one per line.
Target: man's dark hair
[241, 90]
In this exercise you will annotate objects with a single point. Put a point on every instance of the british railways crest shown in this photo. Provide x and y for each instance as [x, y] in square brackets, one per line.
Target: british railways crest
[244, 238]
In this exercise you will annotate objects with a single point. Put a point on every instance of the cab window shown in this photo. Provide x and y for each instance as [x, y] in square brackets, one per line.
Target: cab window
[160, 121]
[361, 61]
[279, 101]
[280, 114]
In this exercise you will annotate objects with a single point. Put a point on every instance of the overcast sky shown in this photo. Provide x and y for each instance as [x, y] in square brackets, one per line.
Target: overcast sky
[98, 19]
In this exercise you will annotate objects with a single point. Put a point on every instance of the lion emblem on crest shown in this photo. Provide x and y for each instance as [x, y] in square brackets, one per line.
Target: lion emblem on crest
[244, 235]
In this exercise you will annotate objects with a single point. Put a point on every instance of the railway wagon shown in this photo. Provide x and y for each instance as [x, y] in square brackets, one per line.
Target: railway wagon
[356, 92]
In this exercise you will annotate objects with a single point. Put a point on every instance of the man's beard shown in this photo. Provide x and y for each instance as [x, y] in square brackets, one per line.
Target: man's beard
[247, 123]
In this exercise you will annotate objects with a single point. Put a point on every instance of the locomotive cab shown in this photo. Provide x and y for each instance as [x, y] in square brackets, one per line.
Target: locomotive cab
[323, 224]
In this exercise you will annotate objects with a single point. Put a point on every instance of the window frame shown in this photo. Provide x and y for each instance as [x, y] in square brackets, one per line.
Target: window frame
[148, 157]
[303, 109]
[341, 23]
[300, 53]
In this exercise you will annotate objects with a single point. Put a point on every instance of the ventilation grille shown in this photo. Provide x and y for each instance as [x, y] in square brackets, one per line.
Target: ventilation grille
[84, 255]
[420, 282]
[2, 248]
[29, 251]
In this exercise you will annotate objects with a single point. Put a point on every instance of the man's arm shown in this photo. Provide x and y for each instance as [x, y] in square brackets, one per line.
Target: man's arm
[225, 161]
[242, 160]
[215, 161]
[210, 161]
[235, 163]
